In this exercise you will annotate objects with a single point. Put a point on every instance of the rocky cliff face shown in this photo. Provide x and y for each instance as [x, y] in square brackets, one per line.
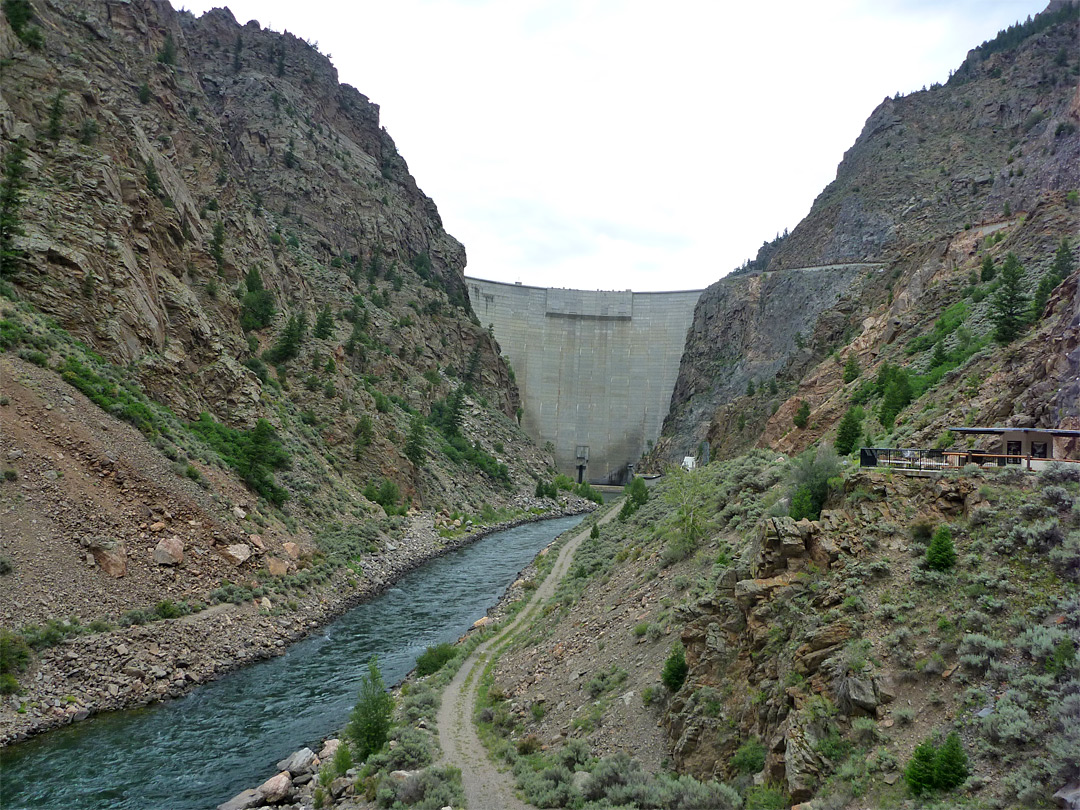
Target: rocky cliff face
[984, 165]
[167, 158]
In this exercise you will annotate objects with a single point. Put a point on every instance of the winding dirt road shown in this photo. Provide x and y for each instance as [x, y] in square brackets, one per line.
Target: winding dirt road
[486, 787]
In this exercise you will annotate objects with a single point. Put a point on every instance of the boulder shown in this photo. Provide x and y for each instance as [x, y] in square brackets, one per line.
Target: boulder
[257, 541]
[302, 761]
[242, 801]
[239, 513]
[292, 551]
[277, 566]
[857, 694]
[276, 789]
[329, 749]
[169, 551]
[483, 621]
[237, 554]
[1068, 797]
[110, 555]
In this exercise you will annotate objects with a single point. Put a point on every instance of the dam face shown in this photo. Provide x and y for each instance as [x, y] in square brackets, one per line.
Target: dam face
[595, 369]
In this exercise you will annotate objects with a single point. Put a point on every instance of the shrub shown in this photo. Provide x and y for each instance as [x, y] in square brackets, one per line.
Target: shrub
[802, 415]
[766, 797]
[750, 758]
[941, 555]
[594, 533]
[673, 675]
[5, 563]
[369, 723]
[810, 473]
[433, 658]
[14, 658]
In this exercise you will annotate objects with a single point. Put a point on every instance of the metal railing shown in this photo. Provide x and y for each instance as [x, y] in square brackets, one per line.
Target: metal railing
[910, 458]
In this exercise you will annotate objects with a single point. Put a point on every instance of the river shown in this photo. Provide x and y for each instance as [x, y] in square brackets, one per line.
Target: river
[197, 751]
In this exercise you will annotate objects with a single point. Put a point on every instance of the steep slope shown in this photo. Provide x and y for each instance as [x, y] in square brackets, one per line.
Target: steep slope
[711, 636]
[985, 165]
[206, 236]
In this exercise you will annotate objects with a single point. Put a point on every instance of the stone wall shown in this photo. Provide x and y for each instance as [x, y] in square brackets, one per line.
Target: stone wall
[594, 369]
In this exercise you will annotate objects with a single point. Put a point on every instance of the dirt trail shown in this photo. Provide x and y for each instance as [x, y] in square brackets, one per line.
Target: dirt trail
[486, 787]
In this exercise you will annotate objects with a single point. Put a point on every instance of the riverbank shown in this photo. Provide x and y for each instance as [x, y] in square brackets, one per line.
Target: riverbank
[141, 665]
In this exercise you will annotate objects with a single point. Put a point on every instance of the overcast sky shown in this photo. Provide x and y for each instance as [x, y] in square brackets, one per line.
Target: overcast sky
[628, 144]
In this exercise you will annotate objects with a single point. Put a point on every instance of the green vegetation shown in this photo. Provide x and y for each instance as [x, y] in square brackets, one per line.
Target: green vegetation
[433, 659]
[167, 54]
[673, 675]
[289, 341]
[932, 768]
[802, 415]
[257, 303]
[416, 442]
[941, 554]
[370, 721]
[635, 495]
[254, 454]
[324, 323]
[19, 13]
[809, 474]
[387, 495]
[1009, 305]
[10, 201]
[750, 758]
[849, 430]
[851, 368]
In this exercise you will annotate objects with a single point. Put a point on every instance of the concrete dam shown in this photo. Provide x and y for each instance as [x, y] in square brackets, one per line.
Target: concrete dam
[595, 369]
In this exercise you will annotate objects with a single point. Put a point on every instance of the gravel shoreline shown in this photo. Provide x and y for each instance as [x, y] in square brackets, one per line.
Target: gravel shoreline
[144, 664]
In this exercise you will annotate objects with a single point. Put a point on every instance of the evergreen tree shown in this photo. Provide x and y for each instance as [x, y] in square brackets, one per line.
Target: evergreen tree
[1009, 306]
[847, 434]
[288, 342]
[950, 764]
[802, 415]
[1063, 261]
[167, 56]
[369, 723]
[988, 270]
[56, 116]
[594, 533]
[941, 555]
[851, 368]
[324, 323]
[416, 442]
[940, 357]
[774, 389]
[897, 397]
[919, 773]
[257, 305]
[10, 201]
[1041, 296]
[750, 390]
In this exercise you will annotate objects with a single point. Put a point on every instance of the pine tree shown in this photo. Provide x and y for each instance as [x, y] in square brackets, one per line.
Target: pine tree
[851, 368]
[594, 532]
[919, 773]
[802, 415]
[324, 323]
[940, 357]
[10, 201]
[941, 555]
[750, 390]
[1063, 261]
[988, 270]
[950, 764]
[369, 723]
[1009, 307]
[416, 442]
[847, 434]
[897, 397]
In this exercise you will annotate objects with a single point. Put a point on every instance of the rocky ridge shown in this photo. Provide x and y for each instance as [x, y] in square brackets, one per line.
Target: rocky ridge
[985, 164]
